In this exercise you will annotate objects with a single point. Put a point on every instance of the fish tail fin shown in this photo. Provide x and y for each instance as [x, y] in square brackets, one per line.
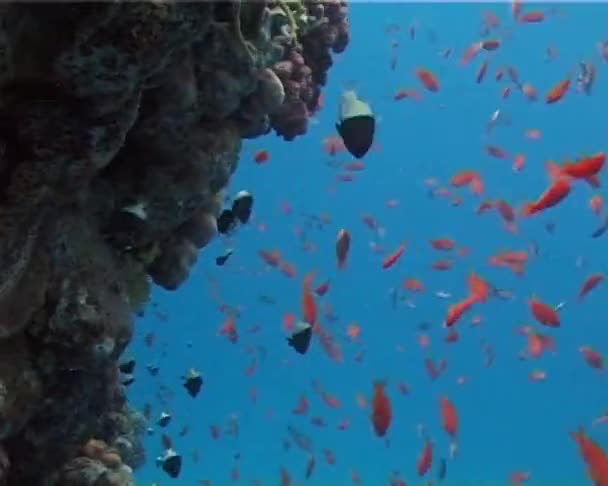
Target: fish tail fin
[554, 170]
[528, 209]
[593, 181]
[379, 382]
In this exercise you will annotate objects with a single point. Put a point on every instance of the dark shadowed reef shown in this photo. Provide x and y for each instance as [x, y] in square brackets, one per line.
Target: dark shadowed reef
[121, 124]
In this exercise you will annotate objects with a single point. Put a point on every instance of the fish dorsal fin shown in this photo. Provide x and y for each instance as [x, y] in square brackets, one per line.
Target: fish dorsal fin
[351, 106]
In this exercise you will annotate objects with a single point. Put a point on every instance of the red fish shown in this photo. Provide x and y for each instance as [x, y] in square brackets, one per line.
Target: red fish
[589, 284]
[457, 310]
[556, 193]
[261, 157]
[594, 456]
[382, 413]
[425, 461]
[309, 306]
[586, 168]
[558, 91]
[532, 17]
[444, 244]
[543, 313]
[449, 417]
[428, 79]
[391, 259]
[592, 357]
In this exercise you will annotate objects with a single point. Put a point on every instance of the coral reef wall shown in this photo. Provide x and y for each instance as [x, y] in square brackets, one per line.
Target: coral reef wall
[120, 126]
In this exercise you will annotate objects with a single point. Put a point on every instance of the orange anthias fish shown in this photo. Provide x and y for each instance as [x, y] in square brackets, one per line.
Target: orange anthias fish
[586, 168]
[261, 157]
[514, 260]
[532, 17]
[457, 310]
[309, 306]
[444, 244]
[479, 288]
[342, 247]
[589, 284]
[597, 204]
[392, 258]
[592, 357]
[556, 192]
[413, 285]
[543, 313]
[468, 178]
[449, 417]
[558, 91]
[428, 80]
[425, 461]
[594, 456]
[382, 413]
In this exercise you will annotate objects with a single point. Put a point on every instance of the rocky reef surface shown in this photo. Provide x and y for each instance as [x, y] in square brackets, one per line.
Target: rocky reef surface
[120, 126]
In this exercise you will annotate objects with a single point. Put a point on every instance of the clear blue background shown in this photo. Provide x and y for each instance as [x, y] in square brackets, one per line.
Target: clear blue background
[508, 423]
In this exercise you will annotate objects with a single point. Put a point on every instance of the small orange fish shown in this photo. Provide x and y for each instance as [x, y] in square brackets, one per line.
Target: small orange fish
[519, 161]
[532, 17]
[444, 244]
[413, 285]
[382, 413]
[457, 310]
[470, 53]
[425, 461]
[589, 284]
[261, 157]
[594, 456]
[391, 259]
[543, 313]
[529, 91]
[449, 417]
[593, 358]
[557, 192]
[533, 134]
[428, 79]
[309, 306]
[557, 92]
[596, 203]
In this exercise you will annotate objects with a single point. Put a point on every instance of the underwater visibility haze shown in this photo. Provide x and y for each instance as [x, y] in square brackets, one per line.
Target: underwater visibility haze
[303, 242]
[479, 109]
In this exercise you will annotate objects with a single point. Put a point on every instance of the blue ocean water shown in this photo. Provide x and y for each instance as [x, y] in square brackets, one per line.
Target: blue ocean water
[508, 422]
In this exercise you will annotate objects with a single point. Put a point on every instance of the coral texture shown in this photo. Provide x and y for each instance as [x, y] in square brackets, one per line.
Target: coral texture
[120, 127]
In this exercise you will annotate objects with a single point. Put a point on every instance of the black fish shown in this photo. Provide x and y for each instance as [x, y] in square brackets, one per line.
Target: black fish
[152, 369]
[220, 260]
[226, 222]
[442, 469]
[300, 339]
[357, 124]
[242, 206]
[601, 230]
[172, 464]
[193, 383]
[127, 380]
[164, 419]
[127, 367]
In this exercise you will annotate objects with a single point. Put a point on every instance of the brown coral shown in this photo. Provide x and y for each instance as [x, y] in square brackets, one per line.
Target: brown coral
[120, 127]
